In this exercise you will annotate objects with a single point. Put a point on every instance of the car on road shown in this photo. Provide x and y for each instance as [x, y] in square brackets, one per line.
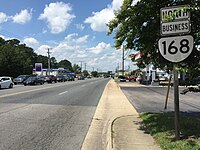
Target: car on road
[131, 78]
[81, 77]
[60, 78]
[6, 82]
[69, 78]
[122, 78]
[20, 79]
[50, 79]
[139, 79]
[33, 81]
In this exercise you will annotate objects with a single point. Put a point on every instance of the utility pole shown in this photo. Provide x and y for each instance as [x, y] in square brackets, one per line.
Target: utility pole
[49, 60]
[123, 60]
[81, 66]
[85, 65]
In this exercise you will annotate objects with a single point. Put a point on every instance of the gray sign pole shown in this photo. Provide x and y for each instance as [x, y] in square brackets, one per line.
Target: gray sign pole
[176, 103]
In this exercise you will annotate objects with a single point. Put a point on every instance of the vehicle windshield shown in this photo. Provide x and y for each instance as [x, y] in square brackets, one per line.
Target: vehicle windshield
[22, 76]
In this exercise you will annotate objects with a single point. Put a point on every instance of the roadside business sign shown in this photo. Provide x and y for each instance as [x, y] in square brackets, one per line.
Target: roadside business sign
[38, 66]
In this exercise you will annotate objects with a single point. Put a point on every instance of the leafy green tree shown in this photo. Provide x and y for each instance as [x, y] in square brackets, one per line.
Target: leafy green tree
[85, 73]
[76, 69]
[15, 58]
[42, 59]
[94, 73]
[138, 27]
[65, 64]
[54, 63]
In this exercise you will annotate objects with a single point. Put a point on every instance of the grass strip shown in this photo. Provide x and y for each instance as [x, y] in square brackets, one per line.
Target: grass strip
[161, 127]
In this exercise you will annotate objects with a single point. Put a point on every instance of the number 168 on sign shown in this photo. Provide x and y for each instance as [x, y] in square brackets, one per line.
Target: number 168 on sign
[176, 49]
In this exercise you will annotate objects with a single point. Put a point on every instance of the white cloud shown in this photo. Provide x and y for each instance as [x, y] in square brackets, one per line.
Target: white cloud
[74, 38]
[44, 31]
[75, 49]
[31, 42]
[135, 2]
[3, 17]
[23, 17]
[100, 48]
[42, 50]
[116, 4]
[82, 39]
[98, 20]
[3, 37]
[58, 16]
[81, 54]
[80, 26]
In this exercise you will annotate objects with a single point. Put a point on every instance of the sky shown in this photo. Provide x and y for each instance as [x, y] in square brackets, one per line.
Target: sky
[73, 29]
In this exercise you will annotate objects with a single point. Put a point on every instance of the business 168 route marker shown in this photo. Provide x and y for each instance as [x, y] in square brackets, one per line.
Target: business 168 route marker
[176, 49]
[175, 21]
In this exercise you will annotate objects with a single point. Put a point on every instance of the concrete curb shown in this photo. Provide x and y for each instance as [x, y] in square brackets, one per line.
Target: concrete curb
[112, 130]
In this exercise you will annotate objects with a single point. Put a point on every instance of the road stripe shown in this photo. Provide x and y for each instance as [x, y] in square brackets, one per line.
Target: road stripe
[62, 93]
[28, 91]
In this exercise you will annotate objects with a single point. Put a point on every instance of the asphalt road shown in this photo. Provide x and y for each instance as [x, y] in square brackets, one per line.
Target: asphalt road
[152, 99]
[50, 116]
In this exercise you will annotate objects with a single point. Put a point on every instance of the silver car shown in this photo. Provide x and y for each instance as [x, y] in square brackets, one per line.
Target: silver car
[6, 82]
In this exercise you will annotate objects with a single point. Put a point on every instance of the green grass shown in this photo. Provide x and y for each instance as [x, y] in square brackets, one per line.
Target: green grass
[161, 127]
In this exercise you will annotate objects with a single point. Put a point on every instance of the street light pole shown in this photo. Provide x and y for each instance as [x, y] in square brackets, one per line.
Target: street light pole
[85, 65]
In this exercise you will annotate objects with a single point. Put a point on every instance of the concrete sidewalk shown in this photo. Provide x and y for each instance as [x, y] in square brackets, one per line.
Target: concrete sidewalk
[116, 124]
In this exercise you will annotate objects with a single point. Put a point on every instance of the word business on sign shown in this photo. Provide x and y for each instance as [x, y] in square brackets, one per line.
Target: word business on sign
[175, 27]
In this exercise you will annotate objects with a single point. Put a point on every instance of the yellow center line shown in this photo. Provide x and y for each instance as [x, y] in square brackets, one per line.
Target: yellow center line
[28, 91]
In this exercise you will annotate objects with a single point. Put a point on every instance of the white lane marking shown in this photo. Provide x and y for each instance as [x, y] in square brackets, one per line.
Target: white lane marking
[31, 90]
[63, 93]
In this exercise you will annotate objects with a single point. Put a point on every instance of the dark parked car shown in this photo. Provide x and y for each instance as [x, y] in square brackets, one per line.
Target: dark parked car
[33, 81]
[20, 79]
[60, 78]
[50, 79]
[69, 78]
[81, 77]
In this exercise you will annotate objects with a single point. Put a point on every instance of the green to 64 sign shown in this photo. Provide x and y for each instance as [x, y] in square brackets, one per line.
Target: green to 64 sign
[176, 49]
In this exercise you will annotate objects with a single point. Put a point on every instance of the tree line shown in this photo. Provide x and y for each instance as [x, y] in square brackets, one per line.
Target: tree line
[17, 58]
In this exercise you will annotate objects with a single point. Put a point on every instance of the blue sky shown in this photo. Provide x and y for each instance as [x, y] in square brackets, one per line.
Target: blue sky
[74, 29]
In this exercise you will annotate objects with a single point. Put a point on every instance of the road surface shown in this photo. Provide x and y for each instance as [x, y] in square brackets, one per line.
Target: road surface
[152, 99]
[50, 116]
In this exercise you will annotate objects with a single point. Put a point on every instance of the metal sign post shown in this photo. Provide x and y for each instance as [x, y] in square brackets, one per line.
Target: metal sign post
[176, 103]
